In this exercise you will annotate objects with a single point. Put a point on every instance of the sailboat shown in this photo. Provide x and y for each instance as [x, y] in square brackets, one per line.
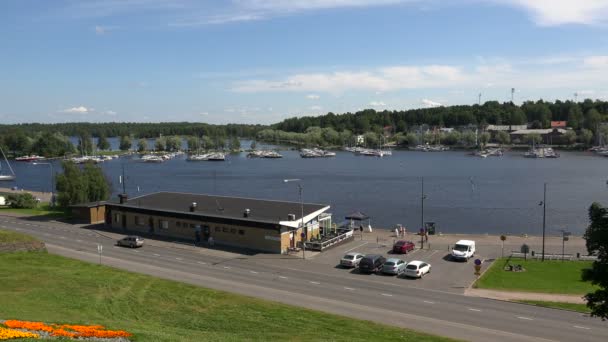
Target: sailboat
[6, 177]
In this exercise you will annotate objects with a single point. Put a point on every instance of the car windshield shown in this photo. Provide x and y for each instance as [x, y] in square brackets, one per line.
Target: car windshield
[461, 248]
[400, 243]
[390, 263]
[411, 267]
[349, 257]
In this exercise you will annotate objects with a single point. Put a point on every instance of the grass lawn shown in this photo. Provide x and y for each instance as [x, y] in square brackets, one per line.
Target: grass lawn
[559, 305]
[550, 276]
[43, 287]
[7, 236]
[44, 209]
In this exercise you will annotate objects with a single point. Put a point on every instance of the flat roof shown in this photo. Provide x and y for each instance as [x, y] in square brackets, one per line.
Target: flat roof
[260, 210]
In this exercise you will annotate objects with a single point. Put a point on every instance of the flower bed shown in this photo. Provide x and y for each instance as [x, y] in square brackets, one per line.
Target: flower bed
[59, 330]
[9, 334]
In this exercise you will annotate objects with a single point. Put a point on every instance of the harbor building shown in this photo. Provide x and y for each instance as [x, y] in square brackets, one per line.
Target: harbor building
[254, 224]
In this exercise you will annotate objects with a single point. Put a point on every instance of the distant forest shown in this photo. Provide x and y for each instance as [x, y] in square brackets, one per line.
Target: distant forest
[539, 114]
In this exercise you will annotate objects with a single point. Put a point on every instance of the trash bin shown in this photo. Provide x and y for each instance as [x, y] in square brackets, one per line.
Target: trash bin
[430, 228]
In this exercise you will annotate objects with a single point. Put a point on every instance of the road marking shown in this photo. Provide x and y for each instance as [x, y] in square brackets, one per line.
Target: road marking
[387, 294]
[201, 262]
[179, 259]
[283, 277]
[227, 267]
[579, 327]
[432, 254]
[476, 310]
[525, 318]
[314, 282]
[349, 288]
[62, 237]
[156, 254]
[361, 245]
[135, 251]
[428, 302]
[254, 272]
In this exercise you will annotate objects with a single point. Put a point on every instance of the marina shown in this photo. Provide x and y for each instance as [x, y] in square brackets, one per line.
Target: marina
[462, 194]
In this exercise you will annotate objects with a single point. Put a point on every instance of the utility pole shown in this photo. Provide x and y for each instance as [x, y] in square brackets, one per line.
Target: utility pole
[479, 99]
[544, 203]
[512, 93]
[422, 198]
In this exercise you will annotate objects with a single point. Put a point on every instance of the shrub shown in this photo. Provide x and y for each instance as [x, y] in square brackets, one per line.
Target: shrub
[22, 201]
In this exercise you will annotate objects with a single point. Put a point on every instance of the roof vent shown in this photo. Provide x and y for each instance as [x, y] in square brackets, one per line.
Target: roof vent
[123, 198]
[193, 206]
[246, 213]
[291, 217]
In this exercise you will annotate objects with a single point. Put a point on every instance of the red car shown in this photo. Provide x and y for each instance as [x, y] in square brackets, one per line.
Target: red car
[402, 247]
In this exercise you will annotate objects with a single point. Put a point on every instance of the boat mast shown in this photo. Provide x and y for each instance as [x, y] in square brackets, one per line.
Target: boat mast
[7, 163]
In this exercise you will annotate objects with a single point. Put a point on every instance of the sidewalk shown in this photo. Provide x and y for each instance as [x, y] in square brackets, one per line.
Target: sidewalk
[510, 296]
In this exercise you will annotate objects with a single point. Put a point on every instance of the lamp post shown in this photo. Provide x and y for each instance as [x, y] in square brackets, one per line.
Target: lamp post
[422, 198]
[52, 181]
[544, 204]
[304, 230]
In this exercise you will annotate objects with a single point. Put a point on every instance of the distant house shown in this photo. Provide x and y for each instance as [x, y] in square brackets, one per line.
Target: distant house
[549, 135]
[446, 129]
[360, 139]
[559, 124]
[505, 128]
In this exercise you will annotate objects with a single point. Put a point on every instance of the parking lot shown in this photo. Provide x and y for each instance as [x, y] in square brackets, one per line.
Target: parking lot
[445, 275]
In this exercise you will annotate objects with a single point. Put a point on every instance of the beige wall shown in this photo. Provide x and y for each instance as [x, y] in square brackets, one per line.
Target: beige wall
[269, 240]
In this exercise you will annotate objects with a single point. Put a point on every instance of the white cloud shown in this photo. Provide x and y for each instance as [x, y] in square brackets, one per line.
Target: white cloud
[430, 103]
[596, 61]
[377, 104]
[77, 110]
[312, 96]
[203, 113]
[302, 5]
[559, 12]
[110, 113]
[316, 108]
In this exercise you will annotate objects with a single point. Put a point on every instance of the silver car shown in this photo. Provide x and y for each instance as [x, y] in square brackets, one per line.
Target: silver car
[131, 241]
[394, 266]
[351, 259]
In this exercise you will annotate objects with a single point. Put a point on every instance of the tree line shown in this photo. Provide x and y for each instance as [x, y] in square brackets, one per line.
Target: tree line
[580, 115]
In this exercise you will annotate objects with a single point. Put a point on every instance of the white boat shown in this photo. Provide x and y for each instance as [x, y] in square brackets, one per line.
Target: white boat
[217, 156]
[10, 177]
[150, 158]
[315, 153]
[264, 154]
[198, 157]
[29, 158]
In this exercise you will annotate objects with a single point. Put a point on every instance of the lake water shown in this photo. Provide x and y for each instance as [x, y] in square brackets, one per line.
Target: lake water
[464, 194]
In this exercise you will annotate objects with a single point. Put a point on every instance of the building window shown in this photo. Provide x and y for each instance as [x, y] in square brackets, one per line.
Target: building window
[178, 224]
[233, 230]
[164, 224]
[117, 218]
[139, 221]
[241, 232]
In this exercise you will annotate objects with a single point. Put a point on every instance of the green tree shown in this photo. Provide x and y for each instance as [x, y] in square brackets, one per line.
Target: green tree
[570, 137]
[253, 145]
[98, 187]
[411, 139]
[575, 117]
[102, 143]
[533, 138]
[596, 237]
[503, 138]
[452, 138]
[125, 143]
[592, 119]
[194, 144]
[142, 145]
[160, 144]
[71, 186]
[173, 143]
[235, 144]
[85, 143]
[585, 136]
[469, 138]
[22, 201]
[484, 138]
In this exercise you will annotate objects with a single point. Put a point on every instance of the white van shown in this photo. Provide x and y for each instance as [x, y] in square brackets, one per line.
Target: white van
[463, 250]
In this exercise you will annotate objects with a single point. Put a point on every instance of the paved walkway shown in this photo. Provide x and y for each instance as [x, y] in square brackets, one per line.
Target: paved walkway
[512, 295]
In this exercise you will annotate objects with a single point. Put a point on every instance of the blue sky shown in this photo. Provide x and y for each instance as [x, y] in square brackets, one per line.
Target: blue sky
[260, 61]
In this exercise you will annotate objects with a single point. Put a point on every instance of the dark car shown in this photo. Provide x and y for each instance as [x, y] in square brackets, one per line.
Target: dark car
[371, 263]
[403, 247]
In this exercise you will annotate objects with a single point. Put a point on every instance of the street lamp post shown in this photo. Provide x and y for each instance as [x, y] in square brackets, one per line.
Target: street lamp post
[304, 230]
[52, 181]
[422, 198]
[544, 204]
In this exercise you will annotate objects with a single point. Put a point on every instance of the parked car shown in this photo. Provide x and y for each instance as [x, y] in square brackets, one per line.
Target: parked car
[463, 250]
[417, 269]
[371, 263]
[131, 241]
[403, 246]
[351, 259]
[394, 266]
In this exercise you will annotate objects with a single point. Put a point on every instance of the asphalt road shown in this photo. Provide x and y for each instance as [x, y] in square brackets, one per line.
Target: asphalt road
[317, 286]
